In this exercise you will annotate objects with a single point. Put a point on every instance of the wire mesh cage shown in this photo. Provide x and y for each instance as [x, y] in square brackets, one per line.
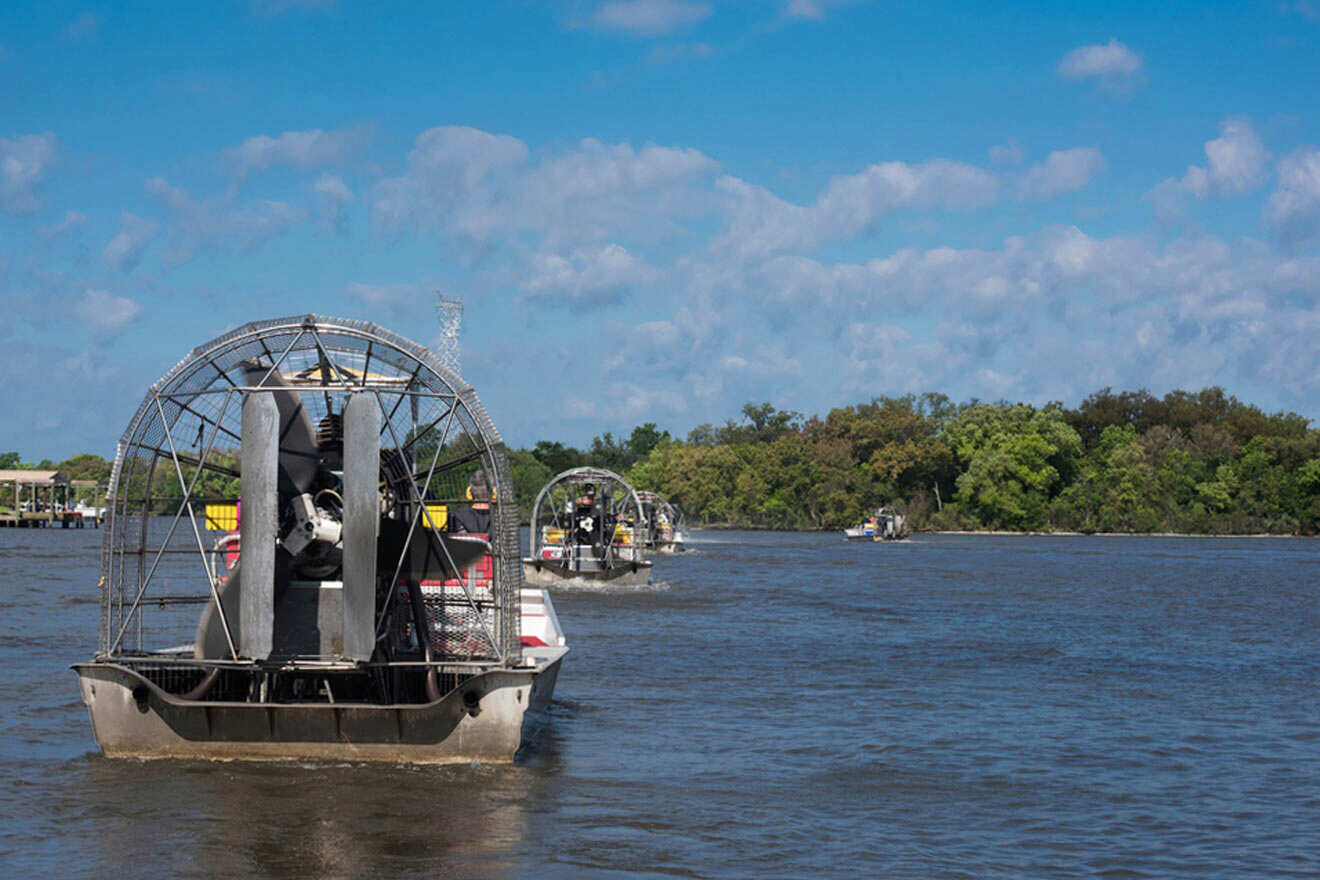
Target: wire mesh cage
[171, 540]
[664, 520]
[588, 517]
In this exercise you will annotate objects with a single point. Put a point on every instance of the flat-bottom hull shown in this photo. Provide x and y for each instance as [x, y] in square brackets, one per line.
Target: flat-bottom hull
[549, 574]
[489, 717]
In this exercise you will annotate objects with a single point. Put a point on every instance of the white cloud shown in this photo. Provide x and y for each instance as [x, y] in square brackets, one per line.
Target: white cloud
[303, 150]
[450, 170]
[85, 26]
[1053, 314]
[1063, 171]
[481, 188]
[104, 312]
[219, 222]
[24, 162]
[71, 220]
[760, 223]
[886, 356]
[648, 18]
[1057, 314]
[1294, 206]
[1236, 164]
[1007, 154]
[1113, 65]
[587, 275]
[1237, 160]
[626, 402]
[123, 250]
[333, 195]
[253, 224]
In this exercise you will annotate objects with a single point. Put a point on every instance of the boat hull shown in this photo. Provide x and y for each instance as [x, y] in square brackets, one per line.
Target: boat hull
[132, 717]
[549, 573]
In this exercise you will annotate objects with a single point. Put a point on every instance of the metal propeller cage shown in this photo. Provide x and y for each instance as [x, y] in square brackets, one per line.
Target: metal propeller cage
[554, 510]
[654, 504]
[159, 561]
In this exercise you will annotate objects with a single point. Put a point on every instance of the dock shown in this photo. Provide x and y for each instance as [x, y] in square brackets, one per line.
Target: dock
[42, 499]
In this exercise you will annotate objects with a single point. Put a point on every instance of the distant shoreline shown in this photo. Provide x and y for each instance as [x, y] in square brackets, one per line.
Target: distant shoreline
[1000, 533]
[1114, 534]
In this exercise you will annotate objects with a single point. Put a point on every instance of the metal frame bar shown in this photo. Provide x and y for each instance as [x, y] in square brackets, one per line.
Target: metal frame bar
[192, 518]
[420, 501]
[413, 372]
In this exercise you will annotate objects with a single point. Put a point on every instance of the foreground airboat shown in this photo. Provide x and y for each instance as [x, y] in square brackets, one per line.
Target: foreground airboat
[334, 612]
[664, 524]
[587, 523]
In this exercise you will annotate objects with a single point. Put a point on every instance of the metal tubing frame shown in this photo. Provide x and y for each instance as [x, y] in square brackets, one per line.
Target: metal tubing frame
[179, 387]
[584, 474]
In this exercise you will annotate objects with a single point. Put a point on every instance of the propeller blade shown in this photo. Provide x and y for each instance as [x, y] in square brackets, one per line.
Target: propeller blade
[259, 527]
[361, 524]
[299, 459]
[210, 642]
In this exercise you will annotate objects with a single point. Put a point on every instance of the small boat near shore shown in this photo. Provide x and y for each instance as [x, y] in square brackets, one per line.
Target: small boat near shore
[361, 604]
[587, 523]
[884, 524]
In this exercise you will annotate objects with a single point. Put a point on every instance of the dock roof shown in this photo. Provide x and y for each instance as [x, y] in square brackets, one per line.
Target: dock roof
[33, 478]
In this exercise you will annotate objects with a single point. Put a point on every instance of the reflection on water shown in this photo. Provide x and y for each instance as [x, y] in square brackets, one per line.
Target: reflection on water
[300, 820]
[778, 705]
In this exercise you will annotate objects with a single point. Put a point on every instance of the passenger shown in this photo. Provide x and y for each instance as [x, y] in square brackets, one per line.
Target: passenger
[474, 518]
[586, 520]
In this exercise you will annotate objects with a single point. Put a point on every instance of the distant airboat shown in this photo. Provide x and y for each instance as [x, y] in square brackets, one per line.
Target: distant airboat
[663, 524]
[587, 523]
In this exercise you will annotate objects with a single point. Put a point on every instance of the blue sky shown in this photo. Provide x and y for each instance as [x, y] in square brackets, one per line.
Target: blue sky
[657, 210]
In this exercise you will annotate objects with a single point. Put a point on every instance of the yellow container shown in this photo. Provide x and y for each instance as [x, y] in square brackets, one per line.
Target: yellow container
[439, 517]
[221, 517]
[552, 536]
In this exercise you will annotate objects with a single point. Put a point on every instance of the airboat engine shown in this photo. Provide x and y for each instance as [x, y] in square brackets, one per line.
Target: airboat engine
[587, 523]
[337, 616]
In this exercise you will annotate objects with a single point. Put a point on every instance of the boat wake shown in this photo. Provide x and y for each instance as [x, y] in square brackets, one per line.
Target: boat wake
[583, 585]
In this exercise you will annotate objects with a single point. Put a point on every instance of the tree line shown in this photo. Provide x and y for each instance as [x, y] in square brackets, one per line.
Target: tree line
[1129, 461]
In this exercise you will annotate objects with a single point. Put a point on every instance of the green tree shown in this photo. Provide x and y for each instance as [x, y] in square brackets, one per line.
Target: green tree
[529, 475]
[1016, 459]
[557, 456]
[643, 439]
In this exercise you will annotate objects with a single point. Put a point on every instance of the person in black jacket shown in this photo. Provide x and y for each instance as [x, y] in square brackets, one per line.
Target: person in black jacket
[475, 518]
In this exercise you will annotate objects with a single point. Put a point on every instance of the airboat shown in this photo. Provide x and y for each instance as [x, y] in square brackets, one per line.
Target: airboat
[884, 524]
[664, 523]
[335, 610]
[587, 523]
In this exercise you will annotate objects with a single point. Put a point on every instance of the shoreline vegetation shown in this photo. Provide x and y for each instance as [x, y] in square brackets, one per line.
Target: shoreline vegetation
[1006, 533]
[1195, 464]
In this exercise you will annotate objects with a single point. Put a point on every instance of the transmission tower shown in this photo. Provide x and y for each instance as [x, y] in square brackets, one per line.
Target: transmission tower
[451, 324]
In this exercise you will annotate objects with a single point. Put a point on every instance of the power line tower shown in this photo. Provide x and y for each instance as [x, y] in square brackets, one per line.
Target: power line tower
[451, 324]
